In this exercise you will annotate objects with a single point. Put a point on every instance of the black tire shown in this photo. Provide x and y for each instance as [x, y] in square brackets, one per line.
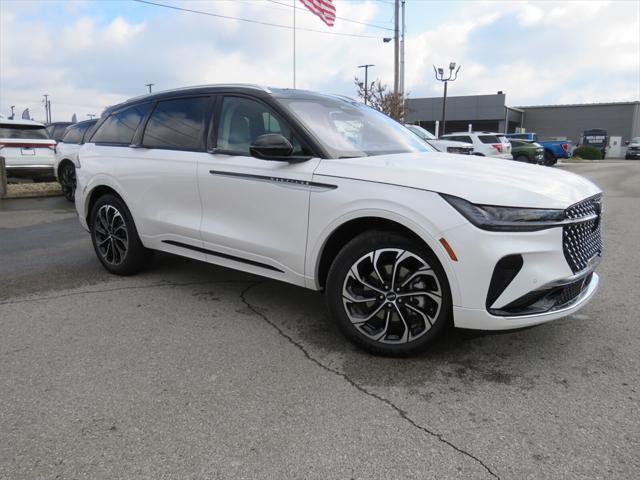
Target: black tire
[549, 158]
[115, 238]
[384, 334]
[523, 158]
[67, 179]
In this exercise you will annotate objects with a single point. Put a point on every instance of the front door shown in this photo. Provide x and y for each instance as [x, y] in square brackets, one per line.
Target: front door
[254, 212]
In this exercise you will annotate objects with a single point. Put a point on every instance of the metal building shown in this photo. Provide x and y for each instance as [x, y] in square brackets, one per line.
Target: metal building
[491, 113]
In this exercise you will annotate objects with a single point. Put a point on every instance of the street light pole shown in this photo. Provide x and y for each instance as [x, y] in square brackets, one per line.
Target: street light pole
[12, 114]
[366, 79]
[451, 78]
[402, 27]
[149, 85]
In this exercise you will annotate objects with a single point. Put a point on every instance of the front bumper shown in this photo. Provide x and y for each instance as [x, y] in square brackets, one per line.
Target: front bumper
[534, 294]
[481, 319]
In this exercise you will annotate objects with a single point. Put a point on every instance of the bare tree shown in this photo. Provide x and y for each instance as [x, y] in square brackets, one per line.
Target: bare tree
[380, 97]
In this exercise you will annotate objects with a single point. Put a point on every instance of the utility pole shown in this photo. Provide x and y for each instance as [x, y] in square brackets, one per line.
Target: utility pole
[149, 85]
[396, 47]
[366, 79]
[451, 78]
[402, 27]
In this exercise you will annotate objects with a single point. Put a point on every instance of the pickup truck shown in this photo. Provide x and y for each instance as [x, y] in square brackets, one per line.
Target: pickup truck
[553, 149]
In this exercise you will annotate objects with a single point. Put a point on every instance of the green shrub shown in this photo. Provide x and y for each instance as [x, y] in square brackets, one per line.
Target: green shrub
[588, 152]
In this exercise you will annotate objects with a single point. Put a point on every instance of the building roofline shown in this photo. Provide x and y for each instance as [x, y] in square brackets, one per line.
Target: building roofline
[560, 105]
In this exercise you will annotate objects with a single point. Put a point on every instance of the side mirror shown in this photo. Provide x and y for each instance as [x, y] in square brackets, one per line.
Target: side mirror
[271, 146]
[627, 142]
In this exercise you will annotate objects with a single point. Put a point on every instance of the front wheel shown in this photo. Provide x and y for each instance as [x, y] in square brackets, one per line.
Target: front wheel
[115, 238]
[388, 293]
[549, 158]
[67, 178]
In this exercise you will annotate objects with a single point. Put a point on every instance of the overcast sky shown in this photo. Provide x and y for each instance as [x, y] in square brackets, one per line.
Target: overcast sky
[90, 54]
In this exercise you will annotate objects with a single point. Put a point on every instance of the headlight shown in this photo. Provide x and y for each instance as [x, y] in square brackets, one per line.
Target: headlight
[507, 219]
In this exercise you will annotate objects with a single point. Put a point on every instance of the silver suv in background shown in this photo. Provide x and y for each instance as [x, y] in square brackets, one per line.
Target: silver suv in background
[485, 144]
[442, 145]
[27, 149]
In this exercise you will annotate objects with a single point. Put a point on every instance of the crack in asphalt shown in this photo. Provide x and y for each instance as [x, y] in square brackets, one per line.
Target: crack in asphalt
[402, 413]
[115, 289]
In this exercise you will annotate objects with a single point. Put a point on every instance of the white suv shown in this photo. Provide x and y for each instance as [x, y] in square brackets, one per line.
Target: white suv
[329, 194]
[485, 144]
[66, 156]
[441, 145]
[27, 149]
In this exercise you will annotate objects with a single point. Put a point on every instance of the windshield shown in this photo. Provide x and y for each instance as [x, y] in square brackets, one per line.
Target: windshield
[421, 132]
[350, 129]
[635, 140]
[30, 132]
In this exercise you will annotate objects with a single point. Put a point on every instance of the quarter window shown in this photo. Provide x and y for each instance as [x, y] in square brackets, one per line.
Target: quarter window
[120, 127]
[243, 120]
[73, 135]
[177, 124]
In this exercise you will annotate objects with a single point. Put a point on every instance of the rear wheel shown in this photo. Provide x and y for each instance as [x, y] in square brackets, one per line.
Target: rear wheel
[115, 238]
[67, 178]
[388, 293]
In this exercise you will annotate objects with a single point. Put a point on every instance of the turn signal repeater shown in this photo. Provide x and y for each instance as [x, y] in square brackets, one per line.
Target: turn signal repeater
[449, 250]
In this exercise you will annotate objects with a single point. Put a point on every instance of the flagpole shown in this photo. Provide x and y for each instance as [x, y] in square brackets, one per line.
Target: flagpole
[294, 43]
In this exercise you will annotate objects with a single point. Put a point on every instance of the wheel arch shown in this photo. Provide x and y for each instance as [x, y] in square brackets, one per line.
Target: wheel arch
[93, 196]
[341, 234]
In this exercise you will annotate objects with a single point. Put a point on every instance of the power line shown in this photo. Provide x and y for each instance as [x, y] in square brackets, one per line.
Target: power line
[247, 20]
[339, 18]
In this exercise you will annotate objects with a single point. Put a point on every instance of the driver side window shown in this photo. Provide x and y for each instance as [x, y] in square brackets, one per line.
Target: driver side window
[243, 120]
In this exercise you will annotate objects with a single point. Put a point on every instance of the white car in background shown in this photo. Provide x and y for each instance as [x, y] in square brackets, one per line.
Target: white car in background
[485, 144]
[329, 194]
[440, 144]
[27, 149]
[66, 157]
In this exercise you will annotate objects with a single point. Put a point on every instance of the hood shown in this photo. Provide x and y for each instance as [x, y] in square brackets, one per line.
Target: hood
[480, 180]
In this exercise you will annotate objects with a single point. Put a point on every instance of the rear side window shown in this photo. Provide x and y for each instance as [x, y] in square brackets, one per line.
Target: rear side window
[177, 124]
[88, 130]
[489, 139]
[120, 127]
[23, 131]
[459, 139]
[73, 135]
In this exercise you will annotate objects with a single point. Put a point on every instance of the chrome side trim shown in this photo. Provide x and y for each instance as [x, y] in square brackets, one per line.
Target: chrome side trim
[280, 181]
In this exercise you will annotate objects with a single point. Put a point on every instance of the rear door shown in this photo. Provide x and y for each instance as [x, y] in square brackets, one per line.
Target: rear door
[255, 211]
[161, 175]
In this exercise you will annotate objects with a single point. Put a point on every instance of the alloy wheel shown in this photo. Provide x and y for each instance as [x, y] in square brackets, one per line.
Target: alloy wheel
[392, 296]
[111, 235]
[68, 181]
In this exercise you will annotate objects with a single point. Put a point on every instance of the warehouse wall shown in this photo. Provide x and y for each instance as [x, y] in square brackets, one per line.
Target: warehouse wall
[570, 120]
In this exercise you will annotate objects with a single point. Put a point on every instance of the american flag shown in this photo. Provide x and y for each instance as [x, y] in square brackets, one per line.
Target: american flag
[323, 9]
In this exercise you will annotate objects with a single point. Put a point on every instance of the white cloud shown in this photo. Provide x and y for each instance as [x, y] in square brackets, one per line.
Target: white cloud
[535, 51]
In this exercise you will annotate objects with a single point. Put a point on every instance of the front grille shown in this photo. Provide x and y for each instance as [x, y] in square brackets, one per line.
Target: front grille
[582, 241]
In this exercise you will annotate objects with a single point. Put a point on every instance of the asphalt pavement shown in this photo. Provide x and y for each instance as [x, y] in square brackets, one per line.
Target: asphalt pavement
[190, 371]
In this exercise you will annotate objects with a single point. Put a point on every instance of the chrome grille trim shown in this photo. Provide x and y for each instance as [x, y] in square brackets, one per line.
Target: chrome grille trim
[582, 241]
